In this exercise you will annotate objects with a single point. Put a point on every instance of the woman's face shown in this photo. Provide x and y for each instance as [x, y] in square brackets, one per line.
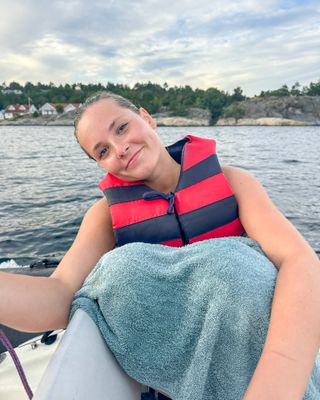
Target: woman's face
[121, 141]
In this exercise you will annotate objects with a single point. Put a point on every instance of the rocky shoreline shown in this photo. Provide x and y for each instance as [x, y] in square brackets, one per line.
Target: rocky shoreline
[260, 122]
[257, 111]
[195, 117]
[273, 111]
[172, 122]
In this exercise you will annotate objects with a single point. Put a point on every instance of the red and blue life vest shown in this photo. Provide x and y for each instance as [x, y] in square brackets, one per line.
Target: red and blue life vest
[203, 205]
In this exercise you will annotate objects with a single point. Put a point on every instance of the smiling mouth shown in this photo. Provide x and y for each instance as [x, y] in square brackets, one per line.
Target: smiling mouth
[133, 158]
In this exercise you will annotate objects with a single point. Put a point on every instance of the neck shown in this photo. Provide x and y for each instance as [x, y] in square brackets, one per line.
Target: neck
[166, 177]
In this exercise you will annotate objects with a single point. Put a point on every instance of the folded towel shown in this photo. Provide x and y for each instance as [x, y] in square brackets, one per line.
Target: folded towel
[188, 321]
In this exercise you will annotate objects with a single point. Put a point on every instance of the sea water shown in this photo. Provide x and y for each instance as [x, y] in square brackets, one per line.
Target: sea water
[47, 183]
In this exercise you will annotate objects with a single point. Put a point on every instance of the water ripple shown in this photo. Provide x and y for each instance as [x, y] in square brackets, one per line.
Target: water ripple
[46, 188]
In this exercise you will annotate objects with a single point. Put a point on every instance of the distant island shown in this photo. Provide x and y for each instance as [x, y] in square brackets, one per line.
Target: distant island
[178, 106]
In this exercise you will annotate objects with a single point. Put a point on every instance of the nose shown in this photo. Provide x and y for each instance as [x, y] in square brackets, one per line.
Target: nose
[121, 149]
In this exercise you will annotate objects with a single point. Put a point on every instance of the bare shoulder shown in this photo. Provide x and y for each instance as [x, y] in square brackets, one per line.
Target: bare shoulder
[230, 171]
[95, 237]
[238, 178]
[249, 192]
[99, 211]
[96, 222]
[261, 219]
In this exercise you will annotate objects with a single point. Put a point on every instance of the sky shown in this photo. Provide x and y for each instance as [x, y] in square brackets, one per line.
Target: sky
[257, 45]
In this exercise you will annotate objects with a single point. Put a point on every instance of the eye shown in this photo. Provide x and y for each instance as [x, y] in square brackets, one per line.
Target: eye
[122, 128]
[103, 153]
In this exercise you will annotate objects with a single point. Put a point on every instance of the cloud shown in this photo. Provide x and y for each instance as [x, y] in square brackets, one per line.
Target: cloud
[253, 44]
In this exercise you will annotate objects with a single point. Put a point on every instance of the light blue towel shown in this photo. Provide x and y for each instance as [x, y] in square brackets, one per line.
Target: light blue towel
[189, 321]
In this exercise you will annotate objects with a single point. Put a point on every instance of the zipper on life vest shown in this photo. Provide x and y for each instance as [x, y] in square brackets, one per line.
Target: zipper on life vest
[182, 233]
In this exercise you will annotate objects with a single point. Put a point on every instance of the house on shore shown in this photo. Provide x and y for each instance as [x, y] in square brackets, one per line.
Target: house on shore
[71, 107]
[48, 109]
[17, 110]
[53, 108]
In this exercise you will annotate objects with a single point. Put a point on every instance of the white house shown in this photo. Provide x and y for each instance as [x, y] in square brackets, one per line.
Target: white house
[10, 111]
[71, 107]
[48, 109]
[32, 109]
[16, 110]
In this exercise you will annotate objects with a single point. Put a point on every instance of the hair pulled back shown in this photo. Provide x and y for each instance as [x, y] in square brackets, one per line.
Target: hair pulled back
[104, 95]
[121, 101]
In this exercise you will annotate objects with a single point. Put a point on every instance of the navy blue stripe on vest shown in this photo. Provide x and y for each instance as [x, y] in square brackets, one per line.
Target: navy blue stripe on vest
[167, 229]
[175, 149]
[204, 169]
[210, 217]
[121, 194]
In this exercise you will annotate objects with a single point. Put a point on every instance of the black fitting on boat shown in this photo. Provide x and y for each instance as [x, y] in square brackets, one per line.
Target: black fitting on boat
[47, 338]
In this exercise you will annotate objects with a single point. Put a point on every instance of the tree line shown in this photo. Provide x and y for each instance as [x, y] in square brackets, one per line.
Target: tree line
[155, 98]
[296, 90]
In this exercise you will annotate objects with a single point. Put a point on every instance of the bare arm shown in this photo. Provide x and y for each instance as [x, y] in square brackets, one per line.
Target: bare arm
[40, 303]
[293, 337]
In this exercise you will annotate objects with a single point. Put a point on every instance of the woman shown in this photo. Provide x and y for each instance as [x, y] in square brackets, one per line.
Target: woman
[122, 139]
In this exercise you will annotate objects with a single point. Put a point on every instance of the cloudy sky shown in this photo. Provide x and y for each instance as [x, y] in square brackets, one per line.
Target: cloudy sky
[257, 45]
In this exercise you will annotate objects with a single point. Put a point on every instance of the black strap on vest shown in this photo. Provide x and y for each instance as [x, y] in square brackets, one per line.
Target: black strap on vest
[152, 195]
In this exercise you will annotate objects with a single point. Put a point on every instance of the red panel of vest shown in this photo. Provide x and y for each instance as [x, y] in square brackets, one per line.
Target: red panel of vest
[203, 205]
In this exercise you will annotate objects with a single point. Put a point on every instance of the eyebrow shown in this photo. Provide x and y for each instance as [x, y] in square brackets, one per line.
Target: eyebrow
[100, 144]
[97, 146]
[111, 126]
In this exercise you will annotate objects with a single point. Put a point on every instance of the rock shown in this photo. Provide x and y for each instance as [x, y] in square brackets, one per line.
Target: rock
[199, 113]
[259, 122]
[226, 122]
[279, 122]
[291, 108]
[181, 121]
[194, 117]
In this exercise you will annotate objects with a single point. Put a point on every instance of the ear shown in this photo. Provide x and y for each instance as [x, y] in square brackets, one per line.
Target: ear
[147, 117]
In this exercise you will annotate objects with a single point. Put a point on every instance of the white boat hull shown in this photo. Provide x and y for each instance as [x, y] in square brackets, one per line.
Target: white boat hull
[78, 366]
[84, 368]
